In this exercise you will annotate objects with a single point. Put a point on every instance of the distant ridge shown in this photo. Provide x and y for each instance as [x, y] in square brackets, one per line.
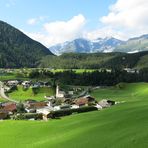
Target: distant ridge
[103, 45]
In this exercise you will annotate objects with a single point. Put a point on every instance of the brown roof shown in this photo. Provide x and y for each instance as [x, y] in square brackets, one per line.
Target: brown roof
[10, 107]
[37, 104]
[81, 101]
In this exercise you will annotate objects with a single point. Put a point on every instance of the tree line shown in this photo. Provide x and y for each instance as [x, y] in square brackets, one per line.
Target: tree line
[94, 78]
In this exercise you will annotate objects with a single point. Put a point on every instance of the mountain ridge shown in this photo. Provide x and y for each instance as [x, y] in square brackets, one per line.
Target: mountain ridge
[103, 45]
[17, 49]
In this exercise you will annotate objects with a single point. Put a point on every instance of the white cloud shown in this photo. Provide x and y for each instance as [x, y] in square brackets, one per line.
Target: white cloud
[60, 31]
[105, 32]
[125, 19]
[131, 17]
[32, 21]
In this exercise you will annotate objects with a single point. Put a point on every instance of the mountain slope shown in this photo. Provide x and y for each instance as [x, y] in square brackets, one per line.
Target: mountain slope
[17, 49]
[136, 44]
[96, 60]
[82, 45]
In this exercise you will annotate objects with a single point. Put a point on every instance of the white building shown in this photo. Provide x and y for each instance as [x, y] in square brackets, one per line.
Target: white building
[59, 94]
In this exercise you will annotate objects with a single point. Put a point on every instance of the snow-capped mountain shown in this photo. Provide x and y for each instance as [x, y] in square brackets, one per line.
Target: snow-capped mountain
[82, 45]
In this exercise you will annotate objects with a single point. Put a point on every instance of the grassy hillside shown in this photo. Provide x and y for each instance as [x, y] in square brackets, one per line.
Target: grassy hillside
[121, 126]
[36, 93]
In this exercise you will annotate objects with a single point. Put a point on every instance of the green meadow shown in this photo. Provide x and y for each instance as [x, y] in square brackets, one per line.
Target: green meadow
[38, 94]
[124, 125]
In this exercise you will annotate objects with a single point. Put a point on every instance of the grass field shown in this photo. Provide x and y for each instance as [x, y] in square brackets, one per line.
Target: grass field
[122, 126]
[37, 94]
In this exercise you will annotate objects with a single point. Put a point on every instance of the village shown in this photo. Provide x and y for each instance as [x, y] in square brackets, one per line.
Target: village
[61, 104]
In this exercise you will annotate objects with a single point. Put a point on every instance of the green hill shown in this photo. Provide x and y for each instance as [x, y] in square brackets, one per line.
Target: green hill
[121, 126]
[18, 50]
[96, 60]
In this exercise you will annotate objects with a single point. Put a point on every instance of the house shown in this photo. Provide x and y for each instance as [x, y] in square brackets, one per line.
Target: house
[99, 107]
[70, 92]
[62, 107]
[9, 107]
[26, 84]
[84, 101]
[106, 103]
[74, 106]
[81, 102]
[3, 114]
[30, 110]
[59, 94]
[35, 105]
[45, 112]
[12, 83]
[56, 108]
[35, 85]
[129, 70]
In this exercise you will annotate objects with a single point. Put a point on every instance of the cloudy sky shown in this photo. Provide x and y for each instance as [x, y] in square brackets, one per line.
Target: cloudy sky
[57, 21]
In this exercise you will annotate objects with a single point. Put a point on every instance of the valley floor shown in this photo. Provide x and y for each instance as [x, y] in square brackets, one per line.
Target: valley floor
[123, 125]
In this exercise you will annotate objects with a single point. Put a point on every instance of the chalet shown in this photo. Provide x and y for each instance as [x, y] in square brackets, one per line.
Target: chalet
[106, 103]
[84, 101]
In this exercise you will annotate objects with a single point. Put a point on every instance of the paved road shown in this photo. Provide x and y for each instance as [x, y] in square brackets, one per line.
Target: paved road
[3, 95]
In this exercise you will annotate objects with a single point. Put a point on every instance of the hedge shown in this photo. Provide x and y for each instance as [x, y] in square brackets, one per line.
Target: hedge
[66, 112]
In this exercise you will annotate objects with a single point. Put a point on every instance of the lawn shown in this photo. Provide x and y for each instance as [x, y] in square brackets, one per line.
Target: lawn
[122, 126]
[37, 93]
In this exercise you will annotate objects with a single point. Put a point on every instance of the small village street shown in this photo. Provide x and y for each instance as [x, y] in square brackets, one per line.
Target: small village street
[3, 95]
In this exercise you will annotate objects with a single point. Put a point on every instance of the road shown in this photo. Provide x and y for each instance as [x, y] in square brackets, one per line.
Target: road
[3, 95]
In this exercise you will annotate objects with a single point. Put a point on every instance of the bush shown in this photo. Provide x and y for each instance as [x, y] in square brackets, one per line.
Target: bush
[27, 116]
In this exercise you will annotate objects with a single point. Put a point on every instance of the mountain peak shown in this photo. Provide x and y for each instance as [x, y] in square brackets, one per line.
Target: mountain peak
[82, 45]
